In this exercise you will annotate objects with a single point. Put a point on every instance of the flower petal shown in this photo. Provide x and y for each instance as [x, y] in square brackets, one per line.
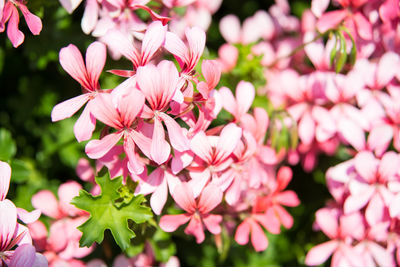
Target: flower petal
[183, 196]
[72, 62]
[212, 223]
[152, 41]
[34, 23]
[96, 55]
[68, 108]
[320, 253]
[5, 176]
[209, 198]
[46, 202]
[97, 148]
[178, 139]
[169, 223]
[160, 149]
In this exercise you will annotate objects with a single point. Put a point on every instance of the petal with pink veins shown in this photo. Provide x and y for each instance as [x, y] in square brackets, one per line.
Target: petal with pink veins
[196, 38]
[96, 55]
[134, 164]
[68, 108]
[183, 196]
[211, 70]
[181, 160]
[72, 62]
[98, 148]
[142, 141]
[227, 141]
[8, 223]
[152, 41]
[209, 198]
[178, 139]
[159, 197]
[103, 109]
[201, 147]
[5, 176]
[175, 46]
[117, 40]
[130, 105]
[199, 180]
[160, 149]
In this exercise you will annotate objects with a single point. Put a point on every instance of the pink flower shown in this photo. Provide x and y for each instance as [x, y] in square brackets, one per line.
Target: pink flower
[245, 94]
[160, 84]
[340, 230]
[152, 41]
[121, 113]
[10, 13]
[197, 211]
[88, 76]
[212, 155]
[187, 56]
[13, 233]
[62, 244]
[273, 202]
[47, 203]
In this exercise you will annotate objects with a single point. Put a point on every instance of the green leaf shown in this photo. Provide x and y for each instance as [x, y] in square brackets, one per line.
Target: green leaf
[162, 245]
[353, 52]
[104, 214]
[21, 171]
[7, 145]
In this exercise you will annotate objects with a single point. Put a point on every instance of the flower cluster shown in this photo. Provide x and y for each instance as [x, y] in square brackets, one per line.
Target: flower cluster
[162, 118]
[15, 239]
